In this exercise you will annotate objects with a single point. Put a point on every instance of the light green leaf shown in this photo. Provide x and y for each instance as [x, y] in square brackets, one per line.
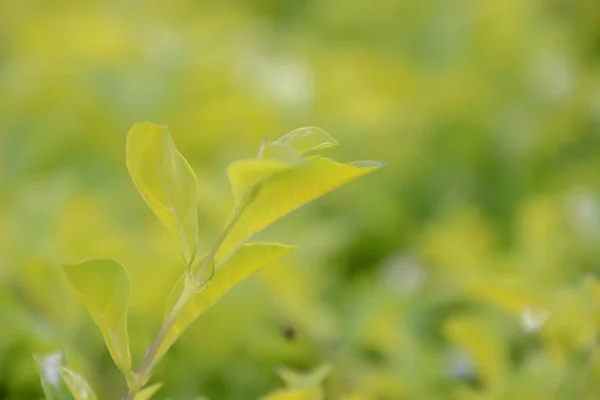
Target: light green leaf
[166, 182]
[104, 287]
[283, 192]
[247, 260]
[49, 370]
[148, 392]
[307, 139]
[77, 385]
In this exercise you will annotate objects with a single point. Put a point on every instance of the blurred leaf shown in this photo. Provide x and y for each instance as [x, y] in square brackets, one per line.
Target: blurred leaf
[166, 182]
[481, 340]
[77, 385]
[306, 386]
[307, 139]
[292, 394]
[247, 260]
[148, 392]
[300, 380]
[288, 190]
[49, 370]
[104, 286]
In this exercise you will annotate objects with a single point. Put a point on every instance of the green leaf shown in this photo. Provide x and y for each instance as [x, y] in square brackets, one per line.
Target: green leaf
[283, 192]
[247, 260]
[49, 370]
[148, 392]
[166, 182]
[307, 139]
[104, 287]
[77, 385]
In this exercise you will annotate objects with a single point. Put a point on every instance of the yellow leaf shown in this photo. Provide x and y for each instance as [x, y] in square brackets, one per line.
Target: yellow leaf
[104, 287]
[247, 260]
[288, 190]
[166, 182]
[77, 385]
[147, 393]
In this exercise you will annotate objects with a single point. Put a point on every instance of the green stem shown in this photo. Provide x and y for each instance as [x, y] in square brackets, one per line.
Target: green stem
[143, 374]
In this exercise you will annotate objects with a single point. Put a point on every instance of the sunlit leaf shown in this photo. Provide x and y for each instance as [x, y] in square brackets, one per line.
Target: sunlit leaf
[247, 260]
[148, 392]
[166, 182]
[49, 370]
[307, 139]
[288, 190]
[77, 385]
[104, 287]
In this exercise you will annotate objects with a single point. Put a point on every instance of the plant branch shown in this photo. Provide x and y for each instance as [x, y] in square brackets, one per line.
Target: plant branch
[143, 374]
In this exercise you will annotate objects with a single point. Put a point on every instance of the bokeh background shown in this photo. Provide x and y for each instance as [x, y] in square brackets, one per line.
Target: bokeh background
[467, 268]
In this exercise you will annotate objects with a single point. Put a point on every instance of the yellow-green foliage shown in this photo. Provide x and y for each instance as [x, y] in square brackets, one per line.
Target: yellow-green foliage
[279, 180]
[466, 269]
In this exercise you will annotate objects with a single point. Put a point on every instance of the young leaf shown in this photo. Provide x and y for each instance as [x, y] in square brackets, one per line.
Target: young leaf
[288, 190]
[307, 139]
[166, 182]
[147, 393]
[78, 387]
[247, 260]
[49, 370]
[104, 287]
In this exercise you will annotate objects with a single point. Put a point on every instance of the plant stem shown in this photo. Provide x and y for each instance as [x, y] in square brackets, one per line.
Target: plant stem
[143, 374]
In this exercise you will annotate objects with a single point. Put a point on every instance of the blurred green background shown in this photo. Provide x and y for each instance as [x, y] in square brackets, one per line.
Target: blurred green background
[467, 268]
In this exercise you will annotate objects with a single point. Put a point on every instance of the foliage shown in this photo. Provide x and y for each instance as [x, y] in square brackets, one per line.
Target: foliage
[485, 219]
[267, 187]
